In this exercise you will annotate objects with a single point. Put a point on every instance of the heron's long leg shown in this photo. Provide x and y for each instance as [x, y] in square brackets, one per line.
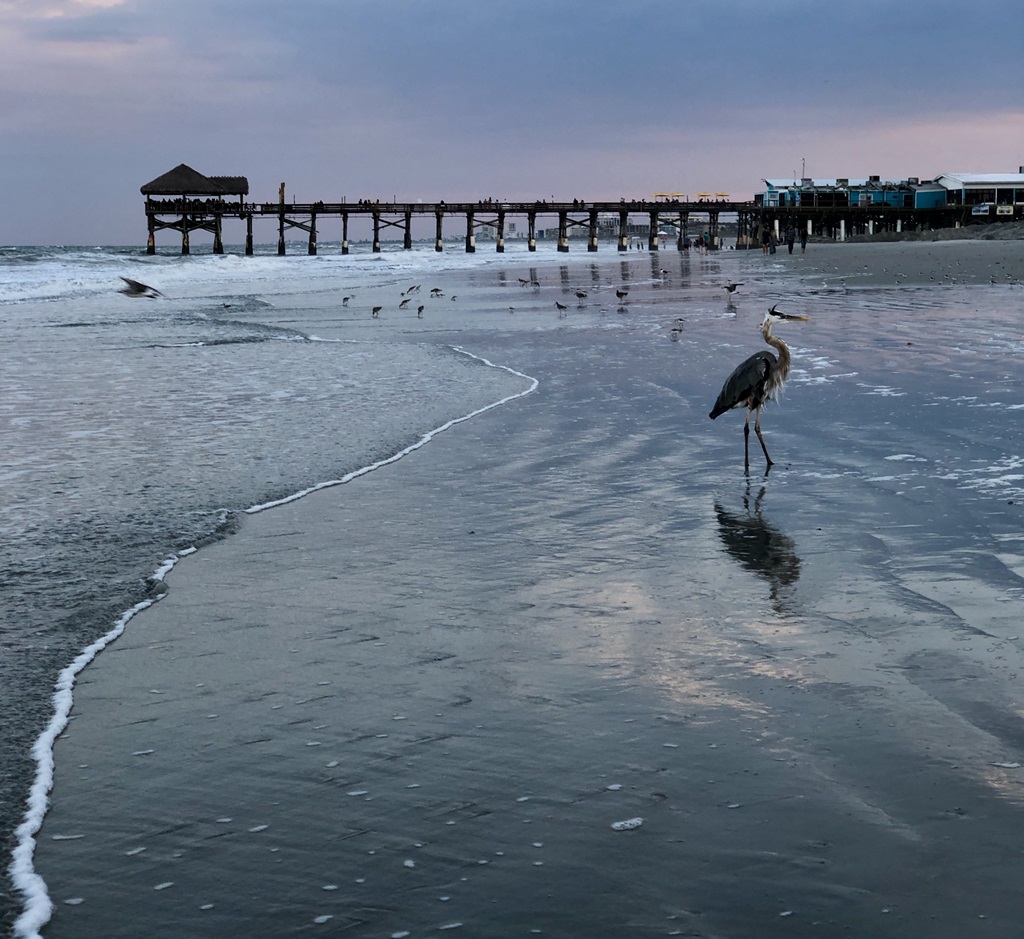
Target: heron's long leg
[746, 443]
[757, 430]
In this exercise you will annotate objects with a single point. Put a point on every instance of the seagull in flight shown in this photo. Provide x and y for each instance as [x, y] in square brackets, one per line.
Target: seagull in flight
[134, 288]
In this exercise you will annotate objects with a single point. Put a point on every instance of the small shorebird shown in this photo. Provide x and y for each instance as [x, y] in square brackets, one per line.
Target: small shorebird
[622, 294]
[419, 310]
[136, 288]
[376, 311]
[401, 305]
[344, 301]
[582, 294]
[560, 306]
[732, 287]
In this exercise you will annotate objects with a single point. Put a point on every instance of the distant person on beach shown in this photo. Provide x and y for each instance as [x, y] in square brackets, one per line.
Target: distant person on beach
[790, 238]
[803, 240]
[773, 240]
[766, 240]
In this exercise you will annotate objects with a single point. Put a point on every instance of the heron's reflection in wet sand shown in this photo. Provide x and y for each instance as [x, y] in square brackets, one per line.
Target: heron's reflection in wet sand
[760, 547]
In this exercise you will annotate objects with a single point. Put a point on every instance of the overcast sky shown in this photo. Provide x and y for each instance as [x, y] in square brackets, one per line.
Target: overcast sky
[468, 99]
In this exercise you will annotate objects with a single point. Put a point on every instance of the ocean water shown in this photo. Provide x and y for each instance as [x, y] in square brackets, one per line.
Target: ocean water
[134, 429]
[889, 531]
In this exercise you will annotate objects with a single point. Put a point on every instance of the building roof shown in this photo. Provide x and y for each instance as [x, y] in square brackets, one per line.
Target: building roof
[961, 180]
[816, 183]
[185, 181]
[233, 185]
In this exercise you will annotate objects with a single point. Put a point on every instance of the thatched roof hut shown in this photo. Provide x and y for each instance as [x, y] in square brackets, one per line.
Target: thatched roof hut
[185, 181]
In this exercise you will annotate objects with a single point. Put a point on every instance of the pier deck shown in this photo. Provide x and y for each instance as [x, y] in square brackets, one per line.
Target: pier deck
[185, 214]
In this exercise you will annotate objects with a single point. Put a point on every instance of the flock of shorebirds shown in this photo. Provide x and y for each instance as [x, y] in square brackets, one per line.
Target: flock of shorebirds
[136, 289]
[751, 385]
[407, 297]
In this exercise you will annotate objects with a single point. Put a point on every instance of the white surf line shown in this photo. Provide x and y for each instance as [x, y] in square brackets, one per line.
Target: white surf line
[426, 438]
[38, 908]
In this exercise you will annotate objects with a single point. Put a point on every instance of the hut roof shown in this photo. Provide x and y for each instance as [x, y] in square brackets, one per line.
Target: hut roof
[232, 185]
[183, 180]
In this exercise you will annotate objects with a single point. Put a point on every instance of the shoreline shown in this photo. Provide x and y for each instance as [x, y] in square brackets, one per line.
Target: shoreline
[518, 706]
[38, 906]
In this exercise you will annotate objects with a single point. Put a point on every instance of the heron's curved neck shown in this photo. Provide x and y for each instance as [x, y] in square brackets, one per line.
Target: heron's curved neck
[780, 346]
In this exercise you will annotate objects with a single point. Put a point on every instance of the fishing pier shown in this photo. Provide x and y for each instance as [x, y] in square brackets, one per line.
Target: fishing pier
[184, 201]
[315, 218]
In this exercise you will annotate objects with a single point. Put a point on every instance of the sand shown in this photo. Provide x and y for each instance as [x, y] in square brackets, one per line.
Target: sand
[426, 702]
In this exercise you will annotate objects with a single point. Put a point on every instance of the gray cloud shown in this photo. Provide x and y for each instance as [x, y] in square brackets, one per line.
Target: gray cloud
[425, 97]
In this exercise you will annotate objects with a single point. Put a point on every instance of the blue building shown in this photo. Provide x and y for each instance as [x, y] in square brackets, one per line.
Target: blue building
[995, 194]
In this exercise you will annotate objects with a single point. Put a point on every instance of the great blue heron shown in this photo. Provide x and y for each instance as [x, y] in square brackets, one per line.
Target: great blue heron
[756, 381]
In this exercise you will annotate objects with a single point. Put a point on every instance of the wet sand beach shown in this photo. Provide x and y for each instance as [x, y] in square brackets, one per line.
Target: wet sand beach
[567, 671]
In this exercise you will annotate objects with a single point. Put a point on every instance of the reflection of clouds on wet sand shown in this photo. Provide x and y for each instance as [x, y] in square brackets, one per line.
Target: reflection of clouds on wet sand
[760, 547]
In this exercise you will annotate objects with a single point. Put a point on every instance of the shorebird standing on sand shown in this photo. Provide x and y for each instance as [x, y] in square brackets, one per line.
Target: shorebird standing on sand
[135, 288]
[376, 311]
[732, 287]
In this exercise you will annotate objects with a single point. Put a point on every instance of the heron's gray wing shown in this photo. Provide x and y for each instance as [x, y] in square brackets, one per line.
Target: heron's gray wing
[746, 382]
